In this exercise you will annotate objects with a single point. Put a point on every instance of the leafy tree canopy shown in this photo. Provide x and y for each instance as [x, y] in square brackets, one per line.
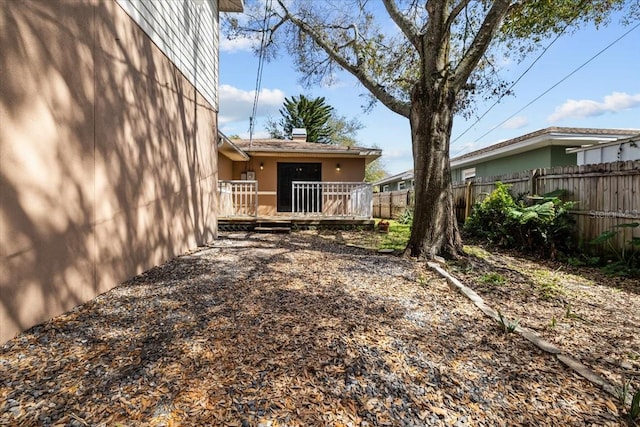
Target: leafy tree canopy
[322, 122]
[326, 38]
[375, 171]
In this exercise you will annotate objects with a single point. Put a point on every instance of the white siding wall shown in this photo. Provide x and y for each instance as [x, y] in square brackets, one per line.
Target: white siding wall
[609, 153]
[187, 33]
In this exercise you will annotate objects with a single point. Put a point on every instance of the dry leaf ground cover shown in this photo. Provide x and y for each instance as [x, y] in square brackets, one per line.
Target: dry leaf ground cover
[271, 330]
[592, 316]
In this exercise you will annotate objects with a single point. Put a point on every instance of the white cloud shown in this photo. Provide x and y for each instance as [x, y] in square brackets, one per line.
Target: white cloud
[236, 104]
[396, 154]
[237, 45]
[244, 132]
[582, 108]
[516, 122]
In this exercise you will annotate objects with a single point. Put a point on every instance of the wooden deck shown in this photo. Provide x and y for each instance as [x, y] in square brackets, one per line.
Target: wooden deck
[280, 223]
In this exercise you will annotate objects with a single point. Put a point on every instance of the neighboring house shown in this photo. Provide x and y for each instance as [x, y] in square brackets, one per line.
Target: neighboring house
[554, 146]
[544, 148]
[108, 113]
[620, 150]
[331, 173]
[398, 182]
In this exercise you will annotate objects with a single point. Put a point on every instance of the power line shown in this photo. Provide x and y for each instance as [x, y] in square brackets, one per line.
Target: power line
[521, 75]
[559, 82]
[261, 58]
[508, 89]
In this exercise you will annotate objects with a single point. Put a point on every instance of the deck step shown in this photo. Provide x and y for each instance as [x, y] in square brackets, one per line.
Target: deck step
[297, 223]
[272, 229]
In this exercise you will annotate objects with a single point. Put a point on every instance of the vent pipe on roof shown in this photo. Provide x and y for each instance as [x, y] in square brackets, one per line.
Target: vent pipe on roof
[299, 134]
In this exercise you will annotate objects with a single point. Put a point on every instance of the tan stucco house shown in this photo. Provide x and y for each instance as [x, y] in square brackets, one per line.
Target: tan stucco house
[296, 177]
[108, 162]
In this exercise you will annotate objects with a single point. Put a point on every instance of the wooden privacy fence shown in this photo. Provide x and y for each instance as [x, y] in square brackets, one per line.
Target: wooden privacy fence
[391, 204]
[608, 194]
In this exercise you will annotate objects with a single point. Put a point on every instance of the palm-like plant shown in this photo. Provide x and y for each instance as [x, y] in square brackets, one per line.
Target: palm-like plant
[310, 114]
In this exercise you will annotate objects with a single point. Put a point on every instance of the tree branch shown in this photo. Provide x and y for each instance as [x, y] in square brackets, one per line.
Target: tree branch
[407, 27]
[480, 43]
[395, 105]
[455, 12]
[273, 29]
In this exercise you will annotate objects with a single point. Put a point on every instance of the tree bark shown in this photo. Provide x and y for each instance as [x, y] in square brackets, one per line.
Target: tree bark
[435, 229]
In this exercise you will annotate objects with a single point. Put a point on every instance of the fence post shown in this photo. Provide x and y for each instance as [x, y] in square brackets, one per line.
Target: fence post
[533, 182]
[391, 205]
[467, 200]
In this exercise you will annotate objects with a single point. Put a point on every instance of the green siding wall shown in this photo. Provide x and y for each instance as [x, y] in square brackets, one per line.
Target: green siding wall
[539, 158]
[559, 157]
[544, 157]
[393, 186]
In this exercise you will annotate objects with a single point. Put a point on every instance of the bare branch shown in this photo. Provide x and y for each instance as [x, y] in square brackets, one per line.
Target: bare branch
[273, 29]
[407, 27]
[480, 43]
[455, 12]
[395, 105]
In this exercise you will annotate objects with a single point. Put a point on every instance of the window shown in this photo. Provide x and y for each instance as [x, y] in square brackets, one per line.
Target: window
[468, 173]
[385, 188]
[401, 185]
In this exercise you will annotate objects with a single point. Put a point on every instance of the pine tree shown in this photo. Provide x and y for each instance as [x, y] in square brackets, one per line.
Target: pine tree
[310, 114]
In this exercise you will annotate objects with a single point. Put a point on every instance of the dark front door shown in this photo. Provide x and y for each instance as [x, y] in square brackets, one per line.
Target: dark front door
[289, 172]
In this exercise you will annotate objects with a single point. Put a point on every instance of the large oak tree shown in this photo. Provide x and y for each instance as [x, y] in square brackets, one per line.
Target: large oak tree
[426, 66]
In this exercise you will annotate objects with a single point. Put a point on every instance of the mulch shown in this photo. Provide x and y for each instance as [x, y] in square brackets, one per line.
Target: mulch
[272, 330]
[588, 314]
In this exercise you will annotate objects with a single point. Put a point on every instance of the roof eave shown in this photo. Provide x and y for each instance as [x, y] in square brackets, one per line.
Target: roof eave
[602, 144]
[231, 5]
[371, 154]
[539, 141]
[402, 176]
[230, 150]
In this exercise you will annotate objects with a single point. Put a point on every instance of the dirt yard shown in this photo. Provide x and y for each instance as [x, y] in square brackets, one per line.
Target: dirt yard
[295, 330]
[591, 316]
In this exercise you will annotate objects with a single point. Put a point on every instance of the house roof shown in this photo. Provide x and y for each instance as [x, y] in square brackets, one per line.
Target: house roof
[278, 147]
[402, 176]
[562, 136]
[229, 149]
[231, 5]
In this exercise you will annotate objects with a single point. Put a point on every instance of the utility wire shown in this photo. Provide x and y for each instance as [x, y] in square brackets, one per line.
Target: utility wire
[261, 58]
[559, 82]
[521, 75]
[497, 101]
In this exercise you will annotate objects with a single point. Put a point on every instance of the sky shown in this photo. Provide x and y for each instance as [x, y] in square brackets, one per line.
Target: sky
[584, 88]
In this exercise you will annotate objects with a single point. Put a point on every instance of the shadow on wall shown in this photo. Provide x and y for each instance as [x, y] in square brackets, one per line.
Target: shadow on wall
[107, 157]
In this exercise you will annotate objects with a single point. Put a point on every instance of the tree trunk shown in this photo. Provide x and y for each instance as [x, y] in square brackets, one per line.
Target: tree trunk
[435, 229]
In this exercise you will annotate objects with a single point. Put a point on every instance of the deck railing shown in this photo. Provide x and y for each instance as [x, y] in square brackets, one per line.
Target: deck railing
[332, 199]
[238, 198]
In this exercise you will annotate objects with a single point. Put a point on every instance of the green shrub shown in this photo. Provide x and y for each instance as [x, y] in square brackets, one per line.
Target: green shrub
[544, 226]
[624, 261]
[508, 326]
[489, 219]
[634, 409]
[406, 217]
